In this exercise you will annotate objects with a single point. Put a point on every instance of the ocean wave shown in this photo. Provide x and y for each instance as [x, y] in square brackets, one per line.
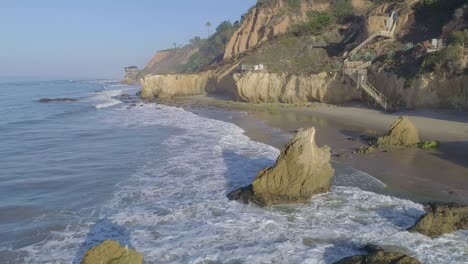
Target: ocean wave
[174, 208]
[107, 98]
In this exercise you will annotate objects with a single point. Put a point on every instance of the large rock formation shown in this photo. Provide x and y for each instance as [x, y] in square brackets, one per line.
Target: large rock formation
[131, 75]
[167, 86]
[378, 256]
[301, 170]
[289, 88]
[402, 133]
[252, 87]
[111, 252]
[426, 91]
[442, 219]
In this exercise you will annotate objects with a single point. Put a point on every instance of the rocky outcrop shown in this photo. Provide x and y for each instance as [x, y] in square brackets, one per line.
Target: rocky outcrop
[402, 133]
[254, 87]
[442, 219]
[378, 256]
[426, 91]
[301, 170]
[266, 20]
[131, 75]
[167, 86]
[48, 100]
[289, 88]
[111, 252]
[169, 61]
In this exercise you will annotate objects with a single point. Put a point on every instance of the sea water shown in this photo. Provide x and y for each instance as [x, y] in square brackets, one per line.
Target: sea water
[155, 178]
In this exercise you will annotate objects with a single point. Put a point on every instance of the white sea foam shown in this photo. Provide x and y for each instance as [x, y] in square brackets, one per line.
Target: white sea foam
[106, 98]
[174, 209]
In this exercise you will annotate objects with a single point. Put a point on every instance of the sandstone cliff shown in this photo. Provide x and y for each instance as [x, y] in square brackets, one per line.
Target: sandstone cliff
[253, 87]
[266, 20]
[169, 61]
[167, 86]
[290, 88]
[428, 91]
[301, 170]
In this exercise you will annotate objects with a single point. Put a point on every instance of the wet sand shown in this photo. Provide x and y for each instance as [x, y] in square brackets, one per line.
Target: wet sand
[422, 176]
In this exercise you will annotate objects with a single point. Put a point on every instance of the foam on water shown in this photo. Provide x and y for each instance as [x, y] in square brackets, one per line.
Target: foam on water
[106, 98]
[175, 209]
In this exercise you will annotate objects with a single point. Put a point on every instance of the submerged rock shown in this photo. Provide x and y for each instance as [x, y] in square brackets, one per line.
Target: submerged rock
[378, 256]
[111, 252]
[402, 133]
[442, 219]
[48, 100]
[301, 170]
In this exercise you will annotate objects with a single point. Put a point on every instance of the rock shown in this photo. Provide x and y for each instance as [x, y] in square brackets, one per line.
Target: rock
[252, 87]
[366, 150]
[378, 256]
[48, 100]
[402, 133]
[301, 170]
[442, 219]
[111, 252]
[431, 144]
[168, 86]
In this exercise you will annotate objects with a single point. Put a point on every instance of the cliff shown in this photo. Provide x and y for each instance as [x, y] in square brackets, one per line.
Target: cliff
[303, 46]
[266, 20]
[131, 75]
[169, 61]
[253, 87]
[167, 86]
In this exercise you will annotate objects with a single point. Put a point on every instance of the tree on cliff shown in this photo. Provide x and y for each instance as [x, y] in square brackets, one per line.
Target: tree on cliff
[208, 25]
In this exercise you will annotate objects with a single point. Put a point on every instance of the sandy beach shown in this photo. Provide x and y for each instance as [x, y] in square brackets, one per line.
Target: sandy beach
[422, 176]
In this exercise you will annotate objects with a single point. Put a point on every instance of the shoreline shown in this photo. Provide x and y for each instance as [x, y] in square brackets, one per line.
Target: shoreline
[422, 176]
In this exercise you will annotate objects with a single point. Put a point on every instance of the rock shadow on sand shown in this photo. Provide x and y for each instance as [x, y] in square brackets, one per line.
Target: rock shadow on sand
[102, 230]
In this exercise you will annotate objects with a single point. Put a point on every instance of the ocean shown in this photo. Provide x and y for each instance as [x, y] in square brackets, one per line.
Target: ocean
[155, 178]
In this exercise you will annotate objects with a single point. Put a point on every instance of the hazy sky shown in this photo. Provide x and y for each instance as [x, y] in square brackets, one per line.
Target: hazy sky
[97, 38]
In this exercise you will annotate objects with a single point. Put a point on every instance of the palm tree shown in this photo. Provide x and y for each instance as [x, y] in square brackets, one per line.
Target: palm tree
[208, 25]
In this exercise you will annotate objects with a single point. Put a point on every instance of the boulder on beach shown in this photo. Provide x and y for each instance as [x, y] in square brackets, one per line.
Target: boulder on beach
[377, 255]
[442, 219]
[402, 133]
[301, 170]
[111, 252]
[48, 100]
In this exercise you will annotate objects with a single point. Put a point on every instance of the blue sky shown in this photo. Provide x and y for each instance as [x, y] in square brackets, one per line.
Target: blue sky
[97, 38]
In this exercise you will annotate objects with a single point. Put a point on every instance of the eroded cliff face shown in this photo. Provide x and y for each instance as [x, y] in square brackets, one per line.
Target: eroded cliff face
[428, 91]
[168, 86]
[289, 88]
[253, 87]
[169, 61]
[264, 21]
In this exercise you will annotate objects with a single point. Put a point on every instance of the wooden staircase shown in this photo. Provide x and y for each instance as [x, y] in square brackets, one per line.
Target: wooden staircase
[385, 34]
[357, 70]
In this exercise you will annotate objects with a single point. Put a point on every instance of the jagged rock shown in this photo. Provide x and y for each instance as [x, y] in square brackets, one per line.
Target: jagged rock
[442, 219]
[111, 252]
[366, 150]
[378, 256]
[402, 133]
[301, 170]
[48, 100]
